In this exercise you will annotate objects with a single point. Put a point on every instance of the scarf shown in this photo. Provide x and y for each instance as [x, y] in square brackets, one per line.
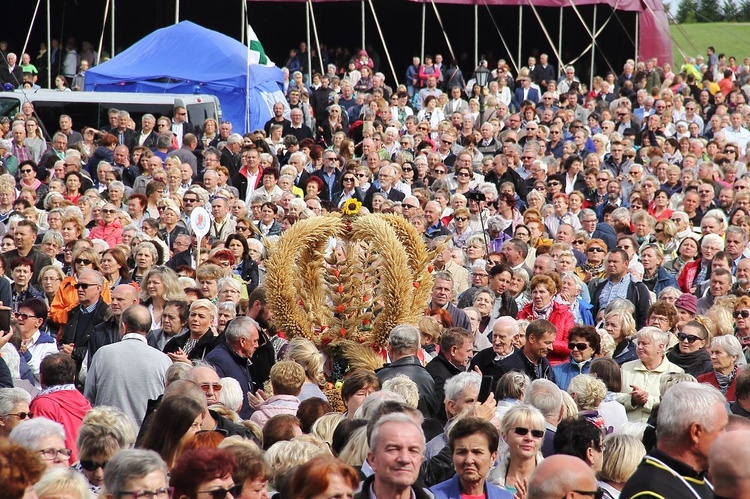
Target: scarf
[724, 380]
[542, 313]
[594, 270]
[692, 362]
[58, 388]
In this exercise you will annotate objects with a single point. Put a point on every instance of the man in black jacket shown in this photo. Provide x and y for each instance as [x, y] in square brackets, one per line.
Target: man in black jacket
[532, 358]
[265, 356]
[403, 345]
[108, 332]
[455, 353]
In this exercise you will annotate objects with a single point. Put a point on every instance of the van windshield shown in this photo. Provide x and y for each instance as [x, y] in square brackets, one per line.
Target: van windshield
[9, 107]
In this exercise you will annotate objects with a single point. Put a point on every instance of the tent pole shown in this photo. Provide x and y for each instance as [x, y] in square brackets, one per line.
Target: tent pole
[101, 38]
[176, 11]
[424, 13]
[476, 35]
[317, 40]
[382, 40]
[309, 44]
[31, 26]
[49, 48]
[364, 11]
[559, 41]
[112, 21]
[637, 34]
[244, 21]
[520, 35]
[593, 50]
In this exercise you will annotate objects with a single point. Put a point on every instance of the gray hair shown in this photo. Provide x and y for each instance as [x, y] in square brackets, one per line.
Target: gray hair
[131, 464]
[404, 386]
[32, 431]
[373, 401]
[545, 396]
[396, 417]
[240, 328]
[713, 238]
[733, 229]
[460, 382]
[9, 397]
[404, 339]
[654, 334]
[163, 141]
[732, 346]
[685, 404]
[231, 282]
[231, 394]
[235, 138]
[572, 276]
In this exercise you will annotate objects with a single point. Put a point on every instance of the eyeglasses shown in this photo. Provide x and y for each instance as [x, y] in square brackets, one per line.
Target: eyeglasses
[92, 465]
[577, 346]
[162, 493]
[85, 285]
[21, 415]
[521, 431]
[46, 279]
[527, 157]
[83, 261]
[348, 179]
[50, 454]
[26, 171]
[479, 274]
[409, 206]
[596, 249]
[206, 387]
[189, 200]
[24, 317]
[463, 174]
[461, 219]
[439, 172]
[742, 313]
[235, 490]
[691, 338]
[109, 211]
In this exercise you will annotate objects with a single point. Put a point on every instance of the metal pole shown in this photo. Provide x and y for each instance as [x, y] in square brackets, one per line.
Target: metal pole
[101, 38]
[309, 44]
[244, 21]
[476, 35]
[520, 37]
[364, 11]
[49, 49]
[112, 21]
[593, 51]
[176, 11]
[31, 26]
[317, 40]
[637, 34]
[424, 11]
[559, 41]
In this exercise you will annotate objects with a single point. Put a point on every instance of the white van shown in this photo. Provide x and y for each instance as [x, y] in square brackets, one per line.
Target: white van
[91, 108]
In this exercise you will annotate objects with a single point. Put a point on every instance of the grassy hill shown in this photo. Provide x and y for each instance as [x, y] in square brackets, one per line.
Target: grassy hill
[729, 38]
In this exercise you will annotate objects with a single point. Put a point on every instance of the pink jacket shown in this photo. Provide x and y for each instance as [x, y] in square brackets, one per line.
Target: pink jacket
[111, 233]
[278, 404]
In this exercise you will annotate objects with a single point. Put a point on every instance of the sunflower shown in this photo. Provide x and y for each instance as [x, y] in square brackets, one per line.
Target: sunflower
[351, 207]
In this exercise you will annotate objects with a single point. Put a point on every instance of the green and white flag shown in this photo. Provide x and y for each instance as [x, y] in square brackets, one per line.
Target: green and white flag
[257, 54]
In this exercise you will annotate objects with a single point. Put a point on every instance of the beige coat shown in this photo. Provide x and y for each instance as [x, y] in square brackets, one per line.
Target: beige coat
[635, 373]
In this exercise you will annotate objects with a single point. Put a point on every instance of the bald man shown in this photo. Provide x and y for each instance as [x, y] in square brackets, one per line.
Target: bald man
[727, 464]
[562, 476]
[108, 332]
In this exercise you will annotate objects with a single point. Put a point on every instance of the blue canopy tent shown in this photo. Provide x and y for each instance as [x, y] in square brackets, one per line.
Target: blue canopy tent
[187, 58]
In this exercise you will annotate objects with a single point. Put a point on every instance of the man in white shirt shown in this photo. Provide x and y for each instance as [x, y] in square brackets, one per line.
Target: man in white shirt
[736, 132]
[35, 345]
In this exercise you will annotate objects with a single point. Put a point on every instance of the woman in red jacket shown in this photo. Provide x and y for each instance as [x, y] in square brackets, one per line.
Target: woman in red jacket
[542, 306]
[727, 359]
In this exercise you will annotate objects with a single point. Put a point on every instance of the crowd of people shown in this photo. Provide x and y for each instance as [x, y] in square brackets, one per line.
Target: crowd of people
[586, 335]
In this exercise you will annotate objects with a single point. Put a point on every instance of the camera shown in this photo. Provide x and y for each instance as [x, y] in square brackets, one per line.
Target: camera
[475, 195]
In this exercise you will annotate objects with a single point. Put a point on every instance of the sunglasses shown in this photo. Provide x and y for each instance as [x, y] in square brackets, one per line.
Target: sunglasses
[462, 174]
[208, 386]
[553, 184]
[26, 171]
[348, 179]
[189, 200]
[439, 172]
[84, 285]
[540, 188]
[92, 465]
[691, 338]
[362, 175]
[83, 261]
[596, 249]
[235, 490]
[577, 346]
[596, 494]
[21, 415]
[521, 431]
[407, 169]
[581, 241]
[742, 313]
[461, 219]
[410, 206]
[24, 316]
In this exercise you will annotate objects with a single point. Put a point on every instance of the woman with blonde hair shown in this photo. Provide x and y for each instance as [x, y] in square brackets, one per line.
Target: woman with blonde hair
[160, 285]
[305, 353]
[62, 482]
[522, 429]
[620, 324]
[430, 329]
[622, 455]
[588, 392]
